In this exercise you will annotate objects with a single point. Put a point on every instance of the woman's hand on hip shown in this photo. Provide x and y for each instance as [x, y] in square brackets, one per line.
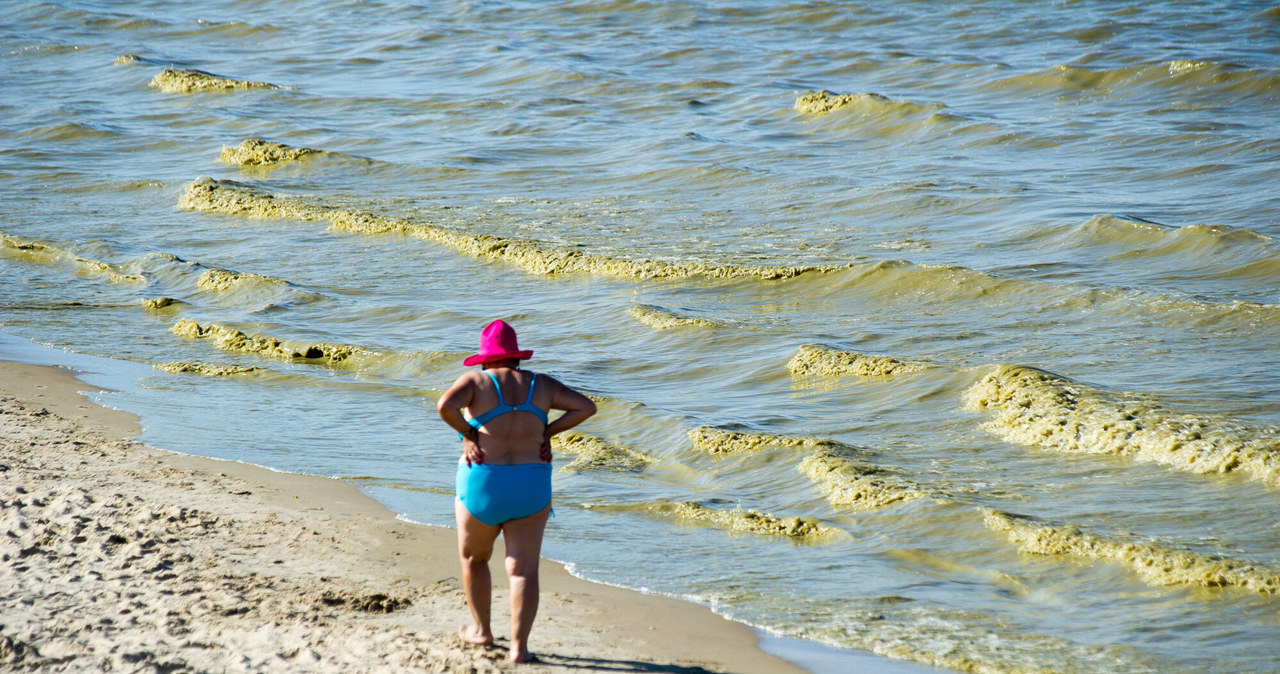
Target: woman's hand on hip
[544, 452]
[471, 449]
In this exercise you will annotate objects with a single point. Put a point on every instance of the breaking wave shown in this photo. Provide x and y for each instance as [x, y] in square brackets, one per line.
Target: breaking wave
[819, 359]
[1039, 408]
[176, 81]
[34, 251]
[597, 454]
[1128, 228]
[343, 356]
[818, 103]
[258, 152]
[659, 318]
[230, 339]
[207, 194]
[837, 469]
[155, 303]
[1184, 75]
[851, 483]
[726, 441]
[206, 369]
[212, 279]
[1157, 564]
[223, 280]
[800, 529]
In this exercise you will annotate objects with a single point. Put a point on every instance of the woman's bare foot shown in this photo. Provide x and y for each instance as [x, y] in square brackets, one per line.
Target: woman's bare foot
[524, 656]
[472, 635]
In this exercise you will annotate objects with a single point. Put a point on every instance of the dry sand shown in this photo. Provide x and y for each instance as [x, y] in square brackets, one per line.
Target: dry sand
[118, 557]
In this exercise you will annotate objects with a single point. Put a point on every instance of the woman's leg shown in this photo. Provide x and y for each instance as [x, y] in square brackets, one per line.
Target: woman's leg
[475, 547]
[523, 538]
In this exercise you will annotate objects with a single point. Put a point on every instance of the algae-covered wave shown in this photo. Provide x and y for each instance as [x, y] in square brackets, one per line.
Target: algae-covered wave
[34, 251]
[1039, 408]
[726, 441]
[226, 281]
[838, 470]
[258, 152]
[186, 81]
[800, 529]
[824, 102]
[212, 279]
[1158, 564]
[891, 277]
[597, 454]
[344, 356]
[659, 318]
[820, 359]
[877, 115]
[852, 483]
[207, 194]
[223, 280]
[156, 303]
[206, 369]
[230, 339]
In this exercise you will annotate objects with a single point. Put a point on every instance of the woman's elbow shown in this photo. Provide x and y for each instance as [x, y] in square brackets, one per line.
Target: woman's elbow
[443, 405]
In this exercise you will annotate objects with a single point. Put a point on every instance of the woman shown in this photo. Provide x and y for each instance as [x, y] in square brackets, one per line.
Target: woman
[504, 475]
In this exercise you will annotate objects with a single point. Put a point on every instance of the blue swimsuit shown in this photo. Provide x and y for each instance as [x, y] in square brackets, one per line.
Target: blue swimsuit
[496, 494]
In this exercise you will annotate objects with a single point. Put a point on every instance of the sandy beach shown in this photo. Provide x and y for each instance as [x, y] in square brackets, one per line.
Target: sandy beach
[120, 557]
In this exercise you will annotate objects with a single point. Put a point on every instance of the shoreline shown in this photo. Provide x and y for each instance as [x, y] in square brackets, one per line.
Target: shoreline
[388, 585]
[336, 558]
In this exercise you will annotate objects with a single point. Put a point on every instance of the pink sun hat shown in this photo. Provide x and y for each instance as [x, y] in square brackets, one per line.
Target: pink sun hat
[497, 342]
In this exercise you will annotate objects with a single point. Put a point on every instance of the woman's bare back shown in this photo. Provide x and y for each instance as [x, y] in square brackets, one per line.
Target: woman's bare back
[516, 437]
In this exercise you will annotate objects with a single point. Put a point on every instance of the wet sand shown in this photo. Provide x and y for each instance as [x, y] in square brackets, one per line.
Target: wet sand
[123, 557]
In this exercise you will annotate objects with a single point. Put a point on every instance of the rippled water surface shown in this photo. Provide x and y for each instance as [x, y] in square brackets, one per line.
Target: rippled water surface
[985, 294]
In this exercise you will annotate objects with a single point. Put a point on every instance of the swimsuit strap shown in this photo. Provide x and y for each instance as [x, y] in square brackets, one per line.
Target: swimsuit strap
[503, 408]
[497, 389]
[528, 406]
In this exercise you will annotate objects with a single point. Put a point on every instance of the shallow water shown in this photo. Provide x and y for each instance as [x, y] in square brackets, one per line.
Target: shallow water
[1080, 191]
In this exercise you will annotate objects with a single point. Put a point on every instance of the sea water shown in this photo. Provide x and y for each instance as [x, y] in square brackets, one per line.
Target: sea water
[946, 331]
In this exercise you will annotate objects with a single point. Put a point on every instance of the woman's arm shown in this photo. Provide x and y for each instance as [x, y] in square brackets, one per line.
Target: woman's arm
[577, 409]
[450, 408]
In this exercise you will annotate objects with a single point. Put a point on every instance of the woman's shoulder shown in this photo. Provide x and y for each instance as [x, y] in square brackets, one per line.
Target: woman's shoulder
[544, 378]
[469, 377]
